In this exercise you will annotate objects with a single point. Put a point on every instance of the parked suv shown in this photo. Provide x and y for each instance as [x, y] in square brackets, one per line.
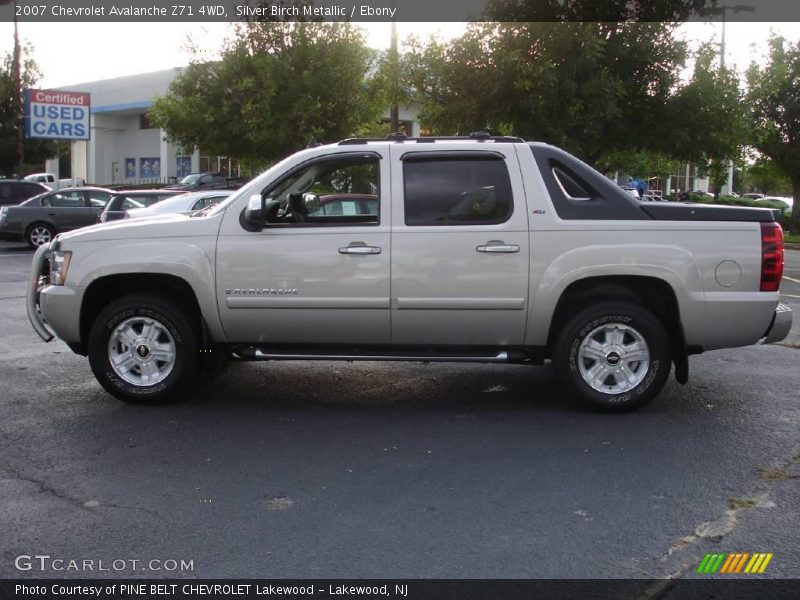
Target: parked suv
[200, 181]
[14, 191]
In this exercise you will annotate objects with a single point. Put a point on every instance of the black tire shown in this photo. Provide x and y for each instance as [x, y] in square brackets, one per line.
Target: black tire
[611, 389]
[174, 379]
[39, 234]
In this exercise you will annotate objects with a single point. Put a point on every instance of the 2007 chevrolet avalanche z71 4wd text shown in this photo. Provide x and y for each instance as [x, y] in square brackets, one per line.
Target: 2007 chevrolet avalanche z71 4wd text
[478, 249]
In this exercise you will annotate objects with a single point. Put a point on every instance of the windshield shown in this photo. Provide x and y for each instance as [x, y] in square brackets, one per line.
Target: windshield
[191, 179]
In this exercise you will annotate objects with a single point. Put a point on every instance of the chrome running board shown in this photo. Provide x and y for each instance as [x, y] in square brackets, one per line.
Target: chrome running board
[250, 353]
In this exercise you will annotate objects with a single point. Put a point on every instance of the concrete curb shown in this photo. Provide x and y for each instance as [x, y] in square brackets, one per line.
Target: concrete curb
[792, 246]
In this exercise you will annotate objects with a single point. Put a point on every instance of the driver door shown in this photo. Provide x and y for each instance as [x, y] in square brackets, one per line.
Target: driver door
[319, 275]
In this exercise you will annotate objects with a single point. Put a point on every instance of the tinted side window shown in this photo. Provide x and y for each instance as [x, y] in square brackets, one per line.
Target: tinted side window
[573, 186]
[457, 191]
[334, 190]
[65, 200]
[98, 199]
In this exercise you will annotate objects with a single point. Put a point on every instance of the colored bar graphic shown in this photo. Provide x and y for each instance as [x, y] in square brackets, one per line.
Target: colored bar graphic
[732, 558]
[755, 562]
[765, 563]
[740, 564]
[702, 566]
[733, 562]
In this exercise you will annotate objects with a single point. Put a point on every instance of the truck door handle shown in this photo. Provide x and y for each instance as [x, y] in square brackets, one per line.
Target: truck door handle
[496, 246]
[359, 248]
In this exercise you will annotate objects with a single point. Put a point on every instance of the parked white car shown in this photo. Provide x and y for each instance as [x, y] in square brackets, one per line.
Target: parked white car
[784, 202]
[184, 203]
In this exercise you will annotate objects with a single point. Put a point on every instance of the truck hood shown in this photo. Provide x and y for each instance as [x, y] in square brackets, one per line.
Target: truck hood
[157, 226]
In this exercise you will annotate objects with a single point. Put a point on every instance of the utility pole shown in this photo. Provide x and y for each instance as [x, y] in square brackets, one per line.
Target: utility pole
[736, 8]
[17, 105]
[394, 110]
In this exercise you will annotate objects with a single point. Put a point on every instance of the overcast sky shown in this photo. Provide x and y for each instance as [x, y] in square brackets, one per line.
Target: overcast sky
[78, 52]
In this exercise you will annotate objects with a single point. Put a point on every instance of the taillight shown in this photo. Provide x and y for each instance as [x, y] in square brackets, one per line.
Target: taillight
[771, 256]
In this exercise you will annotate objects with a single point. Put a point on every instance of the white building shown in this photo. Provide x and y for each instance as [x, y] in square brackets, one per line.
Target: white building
[124, 147]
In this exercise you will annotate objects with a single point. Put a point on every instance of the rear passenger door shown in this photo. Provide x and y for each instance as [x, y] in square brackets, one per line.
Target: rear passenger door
[460, 255]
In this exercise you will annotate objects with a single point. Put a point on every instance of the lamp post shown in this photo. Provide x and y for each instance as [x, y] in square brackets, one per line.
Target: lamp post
[736, 8]
[723, 9]
[394, 110]
[17, 95]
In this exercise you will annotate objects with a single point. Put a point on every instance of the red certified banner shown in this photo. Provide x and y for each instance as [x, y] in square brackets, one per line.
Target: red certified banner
[57, 97]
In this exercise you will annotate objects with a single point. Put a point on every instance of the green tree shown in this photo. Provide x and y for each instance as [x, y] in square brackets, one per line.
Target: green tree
[592, 10]
[774, 102]
[591, 88]
[36, 151]
[765, 177]
[641, 163]
[276, 87]
[707, 120]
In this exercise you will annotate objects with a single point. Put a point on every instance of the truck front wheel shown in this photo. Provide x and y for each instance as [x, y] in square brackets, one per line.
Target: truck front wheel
[614, 356]
[143, 350]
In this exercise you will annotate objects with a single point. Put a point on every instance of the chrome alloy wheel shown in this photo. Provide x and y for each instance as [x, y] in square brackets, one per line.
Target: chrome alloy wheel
[613, 358]
[141, 351]
[40, 235]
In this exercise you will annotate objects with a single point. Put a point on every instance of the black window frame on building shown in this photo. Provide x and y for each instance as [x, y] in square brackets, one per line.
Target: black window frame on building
[145, 122]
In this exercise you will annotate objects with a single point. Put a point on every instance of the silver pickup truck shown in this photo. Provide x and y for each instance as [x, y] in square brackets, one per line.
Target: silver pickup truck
[476, 249]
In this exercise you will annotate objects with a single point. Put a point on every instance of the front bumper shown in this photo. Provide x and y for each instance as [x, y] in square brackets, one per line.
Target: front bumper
[780, 326]
[32, 294]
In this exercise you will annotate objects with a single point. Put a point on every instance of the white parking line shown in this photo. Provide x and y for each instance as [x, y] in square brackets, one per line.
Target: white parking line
[791, 279]
[790, 295]
[16, 254]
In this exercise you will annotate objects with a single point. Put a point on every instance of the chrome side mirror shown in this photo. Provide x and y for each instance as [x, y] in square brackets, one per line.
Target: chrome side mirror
[311, 202]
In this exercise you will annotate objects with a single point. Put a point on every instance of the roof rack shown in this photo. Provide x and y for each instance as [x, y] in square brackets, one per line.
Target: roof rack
[399, 136]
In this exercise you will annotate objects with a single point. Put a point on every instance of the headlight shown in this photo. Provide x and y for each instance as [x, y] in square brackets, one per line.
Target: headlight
[59, 264]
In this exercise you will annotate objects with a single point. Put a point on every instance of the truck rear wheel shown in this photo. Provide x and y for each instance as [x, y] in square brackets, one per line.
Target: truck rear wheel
[614, 356]
[143, 350]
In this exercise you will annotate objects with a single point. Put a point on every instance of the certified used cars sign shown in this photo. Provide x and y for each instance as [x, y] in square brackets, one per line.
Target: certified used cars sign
[56, 115]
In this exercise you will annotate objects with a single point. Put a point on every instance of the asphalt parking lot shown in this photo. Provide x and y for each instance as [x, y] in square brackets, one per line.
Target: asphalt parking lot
[404, 470]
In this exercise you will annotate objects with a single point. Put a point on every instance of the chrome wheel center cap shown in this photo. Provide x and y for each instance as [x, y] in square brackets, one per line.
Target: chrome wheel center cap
[142, 351]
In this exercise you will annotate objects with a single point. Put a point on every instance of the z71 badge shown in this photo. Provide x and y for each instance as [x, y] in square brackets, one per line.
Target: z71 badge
[261, 292]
